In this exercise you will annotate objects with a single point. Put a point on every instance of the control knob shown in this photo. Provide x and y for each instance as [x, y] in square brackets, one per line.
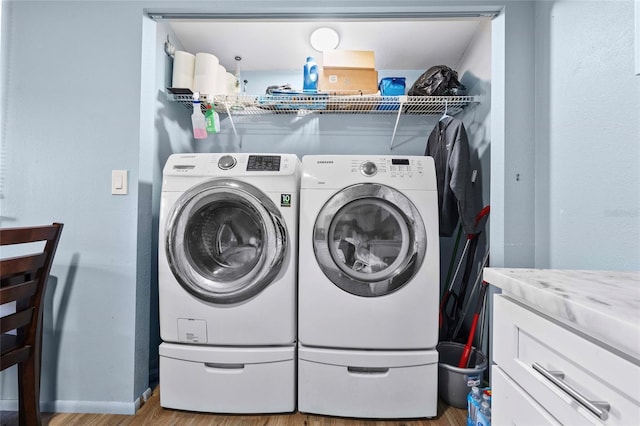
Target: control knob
[226, 162]
[368, 168]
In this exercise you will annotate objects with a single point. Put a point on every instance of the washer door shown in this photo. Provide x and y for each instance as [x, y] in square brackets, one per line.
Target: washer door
[225, 241]
[369, 239]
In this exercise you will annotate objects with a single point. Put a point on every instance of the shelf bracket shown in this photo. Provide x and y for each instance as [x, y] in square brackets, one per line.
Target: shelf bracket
[233, 126]
[169, 48]
[402, 99]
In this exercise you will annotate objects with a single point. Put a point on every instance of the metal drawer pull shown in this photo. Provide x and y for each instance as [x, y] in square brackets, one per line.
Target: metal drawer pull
[599, 408]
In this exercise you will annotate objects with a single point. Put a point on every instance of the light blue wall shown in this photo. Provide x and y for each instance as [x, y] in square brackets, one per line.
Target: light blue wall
[74, 77]
[588, 137]
[512, 137]
[72, 90]
[71, 103]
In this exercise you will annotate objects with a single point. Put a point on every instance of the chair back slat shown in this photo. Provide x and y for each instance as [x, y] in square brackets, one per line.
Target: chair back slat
[9, 342]
[16, 320]
[22, 265]
[23, 280]
[15, 356]
[17, 291]
[10, 236]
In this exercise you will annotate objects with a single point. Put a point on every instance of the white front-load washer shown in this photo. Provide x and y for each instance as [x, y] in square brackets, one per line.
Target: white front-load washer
[368, 286]
[227, 270]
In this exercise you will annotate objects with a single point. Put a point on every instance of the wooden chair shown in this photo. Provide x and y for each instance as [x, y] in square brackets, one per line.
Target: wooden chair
[23, 280]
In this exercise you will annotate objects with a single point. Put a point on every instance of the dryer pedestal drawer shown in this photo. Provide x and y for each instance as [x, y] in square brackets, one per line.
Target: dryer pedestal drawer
[577, 380]
[227, 380]
[368, 384]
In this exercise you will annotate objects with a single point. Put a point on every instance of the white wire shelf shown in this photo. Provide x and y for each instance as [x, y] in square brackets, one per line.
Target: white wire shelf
[243, 105]
[332, 104]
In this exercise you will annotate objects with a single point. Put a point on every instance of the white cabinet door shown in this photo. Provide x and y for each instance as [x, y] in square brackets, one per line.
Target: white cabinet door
[577, 380]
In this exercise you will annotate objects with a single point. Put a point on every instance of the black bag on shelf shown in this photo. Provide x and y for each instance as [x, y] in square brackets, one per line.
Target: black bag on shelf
[439, 80]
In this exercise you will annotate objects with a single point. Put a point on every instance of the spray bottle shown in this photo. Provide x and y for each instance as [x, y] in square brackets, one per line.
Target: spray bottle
[212, 119]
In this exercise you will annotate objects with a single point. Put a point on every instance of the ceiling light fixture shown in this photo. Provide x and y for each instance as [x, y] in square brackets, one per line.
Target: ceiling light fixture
[324, 38]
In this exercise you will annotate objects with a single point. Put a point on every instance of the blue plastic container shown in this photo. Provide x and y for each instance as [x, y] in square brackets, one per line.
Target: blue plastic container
[391, 86]
[310, 84]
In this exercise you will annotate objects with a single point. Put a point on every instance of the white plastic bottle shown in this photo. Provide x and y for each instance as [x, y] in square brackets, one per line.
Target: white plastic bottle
[484, 415]
[198, 121]
[486, 398]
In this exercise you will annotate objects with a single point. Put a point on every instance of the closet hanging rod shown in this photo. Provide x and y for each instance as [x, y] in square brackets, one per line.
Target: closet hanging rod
[160, 15]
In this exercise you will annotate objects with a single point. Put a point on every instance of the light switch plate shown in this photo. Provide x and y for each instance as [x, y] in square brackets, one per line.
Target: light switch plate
[119, 184]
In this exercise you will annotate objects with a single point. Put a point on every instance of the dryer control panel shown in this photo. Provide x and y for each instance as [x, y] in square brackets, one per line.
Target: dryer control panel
[338, 171]
[400, 167]
[392, 167]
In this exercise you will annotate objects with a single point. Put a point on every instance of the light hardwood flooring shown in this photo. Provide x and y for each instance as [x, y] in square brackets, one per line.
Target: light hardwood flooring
[152, 414]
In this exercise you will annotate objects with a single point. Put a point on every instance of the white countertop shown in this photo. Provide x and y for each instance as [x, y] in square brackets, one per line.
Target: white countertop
[604, 305]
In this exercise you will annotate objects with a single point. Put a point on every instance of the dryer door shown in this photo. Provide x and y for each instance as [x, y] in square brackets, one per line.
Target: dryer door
[369, 239]
[225, 241]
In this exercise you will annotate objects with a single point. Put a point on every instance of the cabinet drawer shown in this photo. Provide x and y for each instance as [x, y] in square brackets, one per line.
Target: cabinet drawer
[511, 405]
[533, 350]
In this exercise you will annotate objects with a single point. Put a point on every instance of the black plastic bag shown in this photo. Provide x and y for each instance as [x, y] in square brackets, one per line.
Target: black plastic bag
[439, 80]
[281, 88]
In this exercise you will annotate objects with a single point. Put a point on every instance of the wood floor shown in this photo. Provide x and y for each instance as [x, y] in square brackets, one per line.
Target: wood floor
[152, 414]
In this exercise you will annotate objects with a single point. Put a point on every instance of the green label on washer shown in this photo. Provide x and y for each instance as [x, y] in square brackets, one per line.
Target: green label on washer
[285, 200]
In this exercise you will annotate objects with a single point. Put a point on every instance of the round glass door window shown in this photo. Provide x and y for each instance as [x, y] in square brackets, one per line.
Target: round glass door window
[225, 241]
[369, 240]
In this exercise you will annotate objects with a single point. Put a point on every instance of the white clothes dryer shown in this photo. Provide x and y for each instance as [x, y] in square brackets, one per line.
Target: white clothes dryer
[227, 281]
[369, 253]
[368, 286]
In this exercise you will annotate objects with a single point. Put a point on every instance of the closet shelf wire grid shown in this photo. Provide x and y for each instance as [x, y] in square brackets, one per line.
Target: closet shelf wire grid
[331, 104]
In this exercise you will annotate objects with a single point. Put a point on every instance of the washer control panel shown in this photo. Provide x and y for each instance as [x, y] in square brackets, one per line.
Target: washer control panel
[263, 163]
[231, 164]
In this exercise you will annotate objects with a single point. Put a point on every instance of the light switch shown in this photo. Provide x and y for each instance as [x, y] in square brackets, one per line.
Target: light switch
[119, 182]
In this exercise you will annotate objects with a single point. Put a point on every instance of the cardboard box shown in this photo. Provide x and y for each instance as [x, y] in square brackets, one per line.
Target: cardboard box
[344, 81]
[353, 103]
[349, 59]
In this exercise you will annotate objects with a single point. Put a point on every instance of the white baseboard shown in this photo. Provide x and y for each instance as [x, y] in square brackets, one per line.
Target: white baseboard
[93, 407]
[8, 405]
[144, 398]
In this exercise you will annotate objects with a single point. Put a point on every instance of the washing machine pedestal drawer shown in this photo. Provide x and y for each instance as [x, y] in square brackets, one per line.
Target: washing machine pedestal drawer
[227, 380]
[373, 384]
